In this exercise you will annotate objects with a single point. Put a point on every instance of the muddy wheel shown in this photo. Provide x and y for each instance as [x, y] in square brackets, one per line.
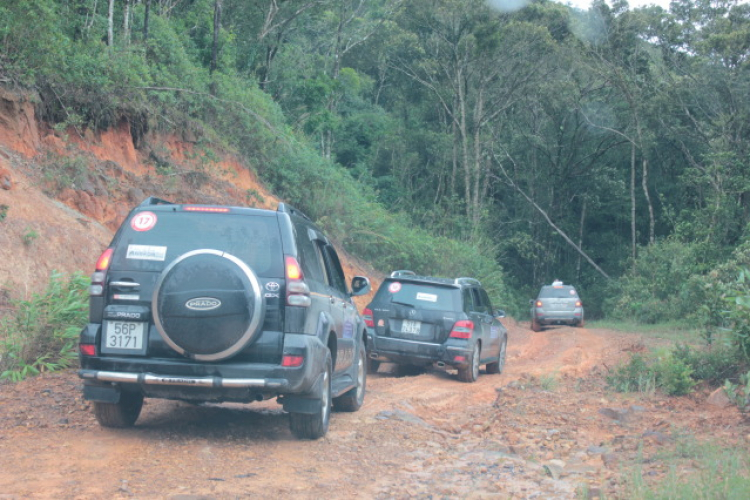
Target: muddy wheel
[315, 425]
[535, 325]
[471, 372]
[497, 366]
[581, 323]
[121, 414]
[353, 399]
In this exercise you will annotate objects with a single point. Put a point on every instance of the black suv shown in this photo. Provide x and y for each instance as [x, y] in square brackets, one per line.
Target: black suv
[220, 303]
[421, 321]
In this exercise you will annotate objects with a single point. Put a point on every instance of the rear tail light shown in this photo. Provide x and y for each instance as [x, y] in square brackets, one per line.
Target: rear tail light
[87, 349]
[578, 303]
[297, 291]
[367, 316]
[100, 273]
[462, 329]
[292, 361]
[538, 303]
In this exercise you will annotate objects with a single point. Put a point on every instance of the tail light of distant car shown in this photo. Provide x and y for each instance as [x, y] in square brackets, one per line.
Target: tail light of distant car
[538, 303]
[578, 303]
[297, 291]
[367, 316]
[462, 329]
[100, 273]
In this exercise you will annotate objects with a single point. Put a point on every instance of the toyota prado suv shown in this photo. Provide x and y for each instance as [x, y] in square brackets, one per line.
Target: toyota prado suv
[447, 323]
[208, 303]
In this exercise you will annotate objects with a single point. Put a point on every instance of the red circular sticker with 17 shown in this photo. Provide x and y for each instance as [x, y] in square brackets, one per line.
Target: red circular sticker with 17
[143, 221]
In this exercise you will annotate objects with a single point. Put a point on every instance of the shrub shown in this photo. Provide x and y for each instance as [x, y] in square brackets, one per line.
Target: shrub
[42, 333]
[674, 376]
[634, 376]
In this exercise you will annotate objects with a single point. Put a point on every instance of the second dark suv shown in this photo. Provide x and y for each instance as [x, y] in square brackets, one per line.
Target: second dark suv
[219, 303]
[419, 320]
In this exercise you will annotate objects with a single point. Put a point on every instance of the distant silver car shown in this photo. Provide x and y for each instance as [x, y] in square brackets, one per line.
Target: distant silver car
[556, 304]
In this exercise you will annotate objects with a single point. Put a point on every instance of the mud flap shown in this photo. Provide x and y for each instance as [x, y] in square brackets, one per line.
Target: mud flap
[101, 394]
[304, 403]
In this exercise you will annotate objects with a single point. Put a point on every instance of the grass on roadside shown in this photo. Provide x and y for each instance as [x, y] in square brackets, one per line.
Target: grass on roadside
[41, 333]
[673, 331]
[695, 470]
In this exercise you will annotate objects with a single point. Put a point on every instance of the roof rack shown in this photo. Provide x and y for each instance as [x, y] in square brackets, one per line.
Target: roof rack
[288, 209]
[402, 272]
[467, 281]
[153, 200]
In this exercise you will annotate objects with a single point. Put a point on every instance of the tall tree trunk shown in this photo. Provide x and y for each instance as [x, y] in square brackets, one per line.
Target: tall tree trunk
[126, 23]
[580, 238]
[651, 221]
[145, 19]
[632, 203]
[215, 45]
[111, 24]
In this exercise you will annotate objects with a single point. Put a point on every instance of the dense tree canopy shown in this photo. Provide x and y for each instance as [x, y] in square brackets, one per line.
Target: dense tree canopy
[606, 147]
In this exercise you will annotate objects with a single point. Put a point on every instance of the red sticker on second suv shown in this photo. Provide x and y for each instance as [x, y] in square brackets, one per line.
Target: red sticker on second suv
[144, 221]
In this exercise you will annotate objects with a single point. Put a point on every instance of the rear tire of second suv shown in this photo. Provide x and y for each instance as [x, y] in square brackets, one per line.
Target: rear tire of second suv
[471, 372]
[497, 366]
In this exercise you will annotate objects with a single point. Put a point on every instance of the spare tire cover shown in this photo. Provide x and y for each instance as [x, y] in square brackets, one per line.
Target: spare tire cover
[208, 305]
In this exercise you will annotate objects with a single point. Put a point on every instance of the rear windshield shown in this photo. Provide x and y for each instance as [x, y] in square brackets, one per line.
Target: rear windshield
[558, 292]
[420, 296]
[164, 236]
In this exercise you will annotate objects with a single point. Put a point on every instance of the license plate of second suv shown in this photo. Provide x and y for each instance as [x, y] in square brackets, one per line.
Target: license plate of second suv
[123, 336]
[409, 326]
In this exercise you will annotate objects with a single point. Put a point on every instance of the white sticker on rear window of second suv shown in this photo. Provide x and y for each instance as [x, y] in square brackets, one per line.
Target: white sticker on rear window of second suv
[146, 252]
[427, 297]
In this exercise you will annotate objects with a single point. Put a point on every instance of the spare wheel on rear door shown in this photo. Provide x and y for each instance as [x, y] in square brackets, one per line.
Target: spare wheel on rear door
[208, 305]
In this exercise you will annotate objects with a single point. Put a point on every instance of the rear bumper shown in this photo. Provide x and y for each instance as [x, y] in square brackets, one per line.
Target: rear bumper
[452, 353]
[566, 318]
[216, 381]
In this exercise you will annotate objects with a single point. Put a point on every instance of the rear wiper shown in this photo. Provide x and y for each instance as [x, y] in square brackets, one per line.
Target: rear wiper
[402, 303]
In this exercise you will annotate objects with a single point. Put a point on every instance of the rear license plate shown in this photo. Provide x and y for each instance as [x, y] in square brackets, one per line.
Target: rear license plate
[123, 337]
[413, 327]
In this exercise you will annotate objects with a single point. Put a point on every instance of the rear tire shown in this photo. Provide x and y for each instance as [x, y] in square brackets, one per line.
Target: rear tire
[535, 326]
[497, 366]
[315, 425]
[121, 414]
[471, 372]
[353, 399]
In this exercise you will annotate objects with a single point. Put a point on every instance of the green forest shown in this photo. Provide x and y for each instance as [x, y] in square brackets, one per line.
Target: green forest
[517, 142]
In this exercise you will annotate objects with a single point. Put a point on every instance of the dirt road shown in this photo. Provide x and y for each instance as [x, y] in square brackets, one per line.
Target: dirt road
[545, 428]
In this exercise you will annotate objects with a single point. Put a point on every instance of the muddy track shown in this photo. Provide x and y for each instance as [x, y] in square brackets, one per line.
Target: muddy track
[419, 436]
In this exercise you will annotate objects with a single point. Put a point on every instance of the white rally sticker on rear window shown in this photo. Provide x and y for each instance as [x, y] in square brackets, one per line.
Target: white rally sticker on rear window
[146, 252]
[427, 297]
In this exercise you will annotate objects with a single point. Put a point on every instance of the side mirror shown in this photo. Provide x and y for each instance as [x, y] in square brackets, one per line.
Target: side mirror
[360, 285]
[499, 313]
